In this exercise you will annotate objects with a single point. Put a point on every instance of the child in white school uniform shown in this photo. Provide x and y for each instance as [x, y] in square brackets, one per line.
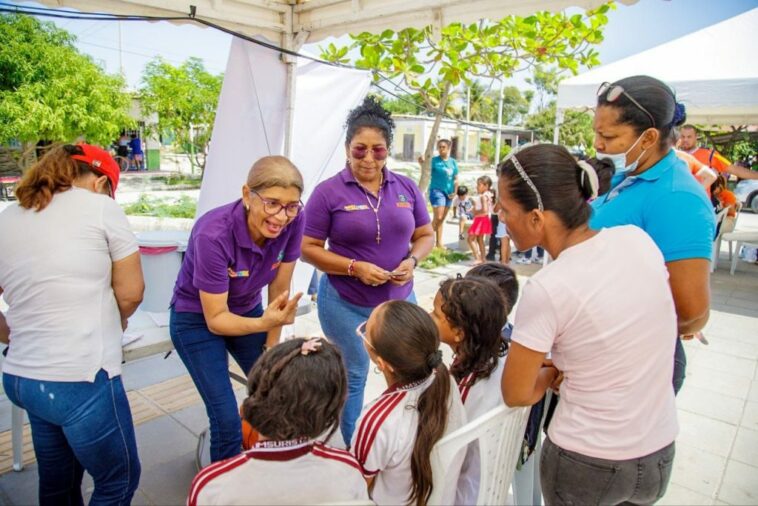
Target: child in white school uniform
[470, 314]
[296, 393]
[396, 432]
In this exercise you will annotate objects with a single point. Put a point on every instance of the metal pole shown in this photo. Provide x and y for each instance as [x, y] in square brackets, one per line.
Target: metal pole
[499, 126]
[557, 127]
[120, 58]
[468, 120]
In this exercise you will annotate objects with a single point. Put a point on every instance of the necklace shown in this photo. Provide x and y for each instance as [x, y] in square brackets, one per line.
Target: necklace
[375, 208]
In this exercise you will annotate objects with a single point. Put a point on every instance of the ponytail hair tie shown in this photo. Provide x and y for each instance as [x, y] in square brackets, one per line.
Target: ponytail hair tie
[679, 114]
[589, 174]
[434, 359]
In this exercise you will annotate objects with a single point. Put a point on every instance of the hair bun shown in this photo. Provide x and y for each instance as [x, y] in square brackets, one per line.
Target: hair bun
[680, 114]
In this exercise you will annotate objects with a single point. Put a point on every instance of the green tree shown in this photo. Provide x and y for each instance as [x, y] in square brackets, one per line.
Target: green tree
[185, 99]
[576, 129]
[434, 62]
[50, 91]
[410, 104]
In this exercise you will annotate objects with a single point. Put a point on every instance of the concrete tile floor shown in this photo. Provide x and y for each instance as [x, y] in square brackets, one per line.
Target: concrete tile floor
[717, 449]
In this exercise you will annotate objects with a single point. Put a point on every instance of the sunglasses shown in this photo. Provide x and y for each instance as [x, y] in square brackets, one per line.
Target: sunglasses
[274, 207]
[359, 152]
[360, 330]
[614, 91]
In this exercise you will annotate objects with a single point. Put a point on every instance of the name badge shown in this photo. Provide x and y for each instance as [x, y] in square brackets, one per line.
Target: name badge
[406, 205]
[355, 207]
[238, 274]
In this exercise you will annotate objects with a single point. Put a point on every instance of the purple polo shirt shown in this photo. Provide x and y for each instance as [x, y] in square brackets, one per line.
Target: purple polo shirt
[338, 211]
[222, 257]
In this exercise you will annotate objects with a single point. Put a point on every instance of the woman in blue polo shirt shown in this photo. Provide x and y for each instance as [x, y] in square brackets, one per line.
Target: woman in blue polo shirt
[653, 189]
[235, 251]
[377, 227]
[442, 187]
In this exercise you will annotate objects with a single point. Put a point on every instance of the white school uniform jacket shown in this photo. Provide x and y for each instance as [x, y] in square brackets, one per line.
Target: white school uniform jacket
[386, 433]
[479, 397]
[281, 472]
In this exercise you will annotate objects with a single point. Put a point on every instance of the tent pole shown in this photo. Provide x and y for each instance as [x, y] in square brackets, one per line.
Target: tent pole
[292, 41]
[557, 127]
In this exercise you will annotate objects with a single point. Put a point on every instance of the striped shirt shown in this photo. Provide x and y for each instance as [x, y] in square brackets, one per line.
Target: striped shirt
[281, 472]
[385, 436]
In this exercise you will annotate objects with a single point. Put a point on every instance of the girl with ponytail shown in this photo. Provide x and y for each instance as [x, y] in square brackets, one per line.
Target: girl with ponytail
[601, 310]
[396, 432]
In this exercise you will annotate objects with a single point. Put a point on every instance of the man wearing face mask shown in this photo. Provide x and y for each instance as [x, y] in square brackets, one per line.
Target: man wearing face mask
[653, 189]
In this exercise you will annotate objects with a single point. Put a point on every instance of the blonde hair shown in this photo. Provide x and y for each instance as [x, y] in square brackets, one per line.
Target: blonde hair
[272, 171]
[53, 173]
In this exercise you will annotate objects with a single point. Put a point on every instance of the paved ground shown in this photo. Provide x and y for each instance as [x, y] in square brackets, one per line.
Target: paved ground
[717, 449]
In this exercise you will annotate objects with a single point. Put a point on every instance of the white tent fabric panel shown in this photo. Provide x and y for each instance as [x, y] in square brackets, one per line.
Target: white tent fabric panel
[325, 18]
[714, 72]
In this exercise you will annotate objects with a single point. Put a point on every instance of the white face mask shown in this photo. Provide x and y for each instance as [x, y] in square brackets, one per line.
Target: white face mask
[619, 159]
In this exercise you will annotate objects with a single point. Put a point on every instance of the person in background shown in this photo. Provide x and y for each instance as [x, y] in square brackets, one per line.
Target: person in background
[377, 225]
[464, 206]
[616, 421]
[722, 198]
[711, 157]
[482, 226]
[294, 418]
[442, 187]
[653, 189]
[234, 251]
[700, 171]
[70, 272]
[137, 156]
[397, 431]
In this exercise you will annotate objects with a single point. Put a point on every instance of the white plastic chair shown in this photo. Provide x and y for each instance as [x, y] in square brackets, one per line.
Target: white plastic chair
[499, 433]
[720, 217]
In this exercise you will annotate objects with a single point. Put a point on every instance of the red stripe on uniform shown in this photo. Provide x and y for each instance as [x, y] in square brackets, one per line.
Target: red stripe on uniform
[464, 386]
[367, 419]
[378, 421]
[211, 472]
[334, 454]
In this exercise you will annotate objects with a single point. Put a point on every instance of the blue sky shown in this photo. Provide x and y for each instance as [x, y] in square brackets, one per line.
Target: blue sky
[630, 29]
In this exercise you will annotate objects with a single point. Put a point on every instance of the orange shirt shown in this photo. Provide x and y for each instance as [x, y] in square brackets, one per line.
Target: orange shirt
[717, 161]
[694, 164]
[727, 198]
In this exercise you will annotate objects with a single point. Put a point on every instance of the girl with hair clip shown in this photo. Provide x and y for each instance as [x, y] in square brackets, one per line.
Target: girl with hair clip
[470, 314]
[600, 309]
[396, 432]
[482, 225]
[290, 410]
[653, 189]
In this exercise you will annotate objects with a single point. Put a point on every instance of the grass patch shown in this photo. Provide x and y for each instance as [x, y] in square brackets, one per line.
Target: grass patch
[165, 207]
[439, 257]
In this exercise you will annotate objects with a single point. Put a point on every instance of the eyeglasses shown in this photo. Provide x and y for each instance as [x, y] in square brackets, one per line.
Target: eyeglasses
[360, 330]
[379, 152]
[614, 91]
[274, 207]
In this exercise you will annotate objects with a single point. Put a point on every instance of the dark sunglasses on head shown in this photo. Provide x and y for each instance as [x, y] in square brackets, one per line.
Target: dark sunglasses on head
[360, 152]
[614, 91]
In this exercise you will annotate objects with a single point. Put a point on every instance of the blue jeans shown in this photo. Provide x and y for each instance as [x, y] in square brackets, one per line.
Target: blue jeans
[78, 426]
[438, 198]
[205, 356]
[339, 319]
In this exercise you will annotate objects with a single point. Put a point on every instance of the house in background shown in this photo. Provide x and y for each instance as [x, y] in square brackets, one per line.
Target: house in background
[412, 132]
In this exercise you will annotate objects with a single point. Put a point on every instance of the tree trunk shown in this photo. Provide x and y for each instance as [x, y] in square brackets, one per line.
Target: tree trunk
[426, 167]
[28, 155]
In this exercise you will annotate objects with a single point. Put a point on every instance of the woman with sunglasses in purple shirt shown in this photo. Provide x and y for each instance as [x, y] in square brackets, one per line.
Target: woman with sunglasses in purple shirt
[378, 229]
[234, 251]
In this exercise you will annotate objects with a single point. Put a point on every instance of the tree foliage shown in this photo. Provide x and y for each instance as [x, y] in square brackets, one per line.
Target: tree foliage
[51, 91]
[433, 62]
[575, 130]
[185, 99]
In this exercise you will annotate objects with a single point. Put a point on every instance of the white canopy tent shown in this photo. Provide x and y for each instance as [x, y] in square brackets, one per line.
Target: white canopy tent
[713, 71]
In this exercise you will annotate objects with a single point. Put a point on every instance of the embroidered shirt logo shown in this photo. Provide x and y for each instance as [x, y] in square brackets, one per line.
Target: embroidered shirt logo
[238, 274]
[278, 262]
[355, 207]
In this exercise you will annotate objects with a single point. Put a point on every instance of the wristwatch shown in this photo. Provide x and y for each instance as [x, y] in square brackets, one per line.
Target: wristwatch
[412, 257]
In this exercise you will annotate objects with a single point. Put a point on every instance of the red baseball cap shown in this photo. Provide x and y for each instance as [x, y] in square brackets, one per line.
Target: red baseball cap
[101, 162]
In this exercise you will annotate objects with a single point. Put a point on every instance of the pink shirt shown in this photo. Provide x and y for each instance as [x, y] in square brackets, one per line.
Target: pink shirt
[605, 311]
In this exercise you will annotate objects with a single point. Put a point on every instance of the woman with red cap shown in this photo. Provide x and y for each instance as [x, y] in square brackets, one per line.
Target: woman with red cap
[70, 273]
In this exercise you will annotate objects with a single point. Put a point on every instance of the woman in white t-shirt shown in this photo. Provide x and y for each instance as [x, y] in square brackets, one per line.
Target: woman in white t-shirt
[70, 273]
[599, 309]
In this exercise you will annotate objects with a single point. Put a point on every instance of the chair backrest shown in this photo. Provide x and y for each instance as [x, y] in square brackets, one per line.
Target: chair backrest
[499, 433]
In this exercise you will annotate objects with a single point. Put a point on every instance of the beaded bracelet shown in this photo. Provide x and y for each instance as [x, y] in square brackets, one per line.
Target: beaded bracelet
[350, 270]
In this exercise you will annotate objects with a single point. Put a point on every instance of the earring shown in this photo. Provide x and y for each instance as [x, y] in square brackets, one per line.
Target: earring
[377, 370]
[347, 162]
[247, 207]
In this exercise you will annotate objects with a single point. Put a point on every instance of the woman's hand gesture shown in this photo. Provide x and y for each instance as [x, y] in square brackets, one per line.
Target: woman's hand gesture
[370, 274]
[281, 311]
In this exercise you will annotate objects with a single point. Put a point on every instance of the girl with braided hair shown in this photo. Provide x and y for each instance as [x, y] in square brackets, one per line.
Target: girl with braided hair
[396, 432]
[295, 395]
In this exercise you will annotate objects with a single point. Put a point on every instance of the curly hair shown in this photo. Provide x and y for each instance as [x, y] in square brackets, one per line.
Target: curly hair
[291, 395]
[370, 114]
[477, 307]
[503, 276]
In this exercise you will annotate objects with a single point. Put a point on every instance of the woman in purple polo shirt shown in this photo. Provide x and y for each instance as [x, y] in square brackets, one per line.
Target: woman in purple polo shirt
[378, 230]
[234, 251]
